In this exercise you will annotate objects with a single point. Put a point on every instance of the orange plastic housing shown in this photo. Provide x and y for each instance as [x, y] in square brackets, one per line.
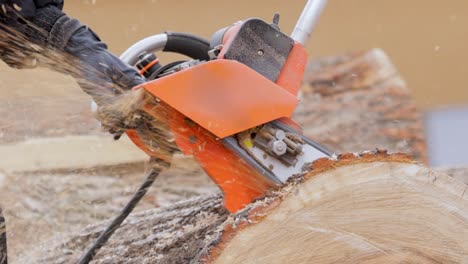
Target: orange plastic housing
[291, 75]
[238, 181]
[224, 96]
[220, 98]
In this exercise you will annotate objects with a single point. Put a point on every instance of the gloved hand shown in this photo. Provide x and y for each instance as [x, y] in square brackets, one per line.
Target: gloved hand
[20, 27]
[17, 9]
[17, 13]
[43, 23]
[98, 72]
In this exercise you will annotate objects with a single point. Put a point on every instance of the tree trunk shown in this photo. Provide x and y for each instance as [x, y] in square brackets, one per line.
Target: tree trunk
[368, 208]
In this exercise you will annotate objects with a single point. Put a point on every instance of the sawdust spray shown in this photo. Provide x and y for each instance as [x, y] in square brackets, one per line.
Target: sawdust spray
[119, 110]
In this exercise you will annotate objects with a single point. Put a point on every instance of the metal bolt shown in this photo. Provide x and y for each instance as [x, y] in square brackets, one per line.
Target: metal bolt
[279, 147]
[280, 135]
[260, 52]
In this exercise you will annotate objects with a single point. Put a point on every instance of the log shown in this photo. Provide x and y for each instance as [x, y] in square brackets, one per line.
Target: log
[68, 153]
[41, 205]
[359, 101]
[460, 173]
[368, 208]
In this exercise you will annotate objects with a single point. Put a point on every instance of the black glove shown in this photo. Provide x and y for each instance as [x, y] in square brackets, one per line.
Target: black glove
[25, 9]
[98, 66]
[98, 72]
[19, 28]
[17, 13]
[42, 22]
[42, 3]
[14, 9]
[33, 18]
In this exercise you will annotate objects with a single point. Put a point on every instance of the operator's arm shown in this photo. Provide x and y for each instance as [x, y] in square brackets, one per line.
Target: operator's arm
[48, 26]
[81, 42]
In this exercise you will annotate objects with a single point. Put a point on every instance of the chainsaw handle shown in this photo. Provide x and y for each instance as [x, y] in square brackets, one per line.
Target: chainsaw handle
[185, 44]
[150, 44]
[188, 45]
[308, 20]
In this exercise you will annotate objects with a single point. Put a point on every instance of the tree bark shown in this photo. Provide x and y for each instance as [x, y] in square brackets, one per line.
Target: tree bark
[368, 208]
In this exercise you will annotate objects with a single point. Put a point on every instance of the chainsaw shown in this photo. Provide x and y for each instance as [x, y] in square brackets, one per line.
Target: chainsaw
[231, 102]
[229, 106]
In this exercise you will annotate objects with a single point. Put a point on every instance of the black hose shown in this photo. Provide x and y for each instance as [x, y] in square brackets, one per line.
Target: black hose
[188, 45]
[115, 224]
[3, 240]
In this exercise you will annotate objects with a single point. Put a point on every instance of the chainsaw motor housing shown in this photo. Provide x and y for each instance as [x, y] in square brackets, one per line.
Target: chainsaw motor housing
[258, 45]
[231, 104]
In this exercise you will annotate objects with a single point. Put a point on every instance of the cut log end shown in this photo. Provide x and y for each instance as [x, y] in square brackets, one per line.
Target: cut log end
[375, 208]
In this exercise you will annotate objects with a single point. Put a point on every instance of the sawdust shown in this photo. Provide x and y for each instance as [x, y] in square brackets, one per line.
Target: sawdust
[24, 118]
[18, 51]
[154, 230]
[39, 206]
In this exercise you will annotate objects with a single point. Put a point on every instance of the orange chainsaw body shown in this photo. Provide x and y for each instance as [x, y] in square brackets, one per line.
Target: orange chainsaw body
[220, 98]
[223, 96]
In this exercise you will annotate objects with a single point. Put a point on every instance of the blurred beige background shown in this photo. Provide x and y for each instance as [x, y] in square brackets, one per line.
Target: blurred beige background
[426, 39]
